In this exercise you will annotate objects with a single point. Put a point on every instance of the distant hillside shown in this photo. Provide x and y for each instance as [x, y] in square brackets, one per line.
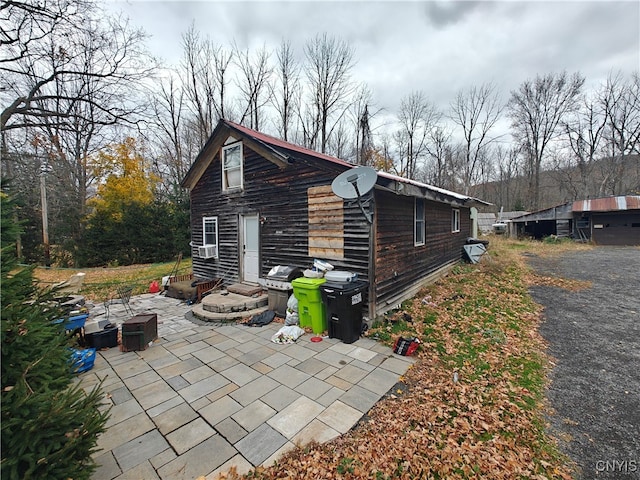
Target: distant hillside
[610, 176]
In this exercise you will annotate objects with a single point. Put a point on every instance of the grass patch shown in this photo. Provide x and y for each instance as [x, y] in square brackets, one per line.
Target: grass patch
[100, 283]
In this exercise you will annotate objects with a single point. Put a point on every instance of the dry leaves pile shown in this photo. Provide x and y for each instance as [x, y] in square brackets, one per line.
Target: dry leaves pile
[480, 324]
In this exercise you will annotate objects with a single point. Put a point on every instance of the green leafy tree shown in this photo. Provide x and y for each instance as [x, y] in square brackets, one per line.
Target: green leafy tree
[129, 223]
[49, 426]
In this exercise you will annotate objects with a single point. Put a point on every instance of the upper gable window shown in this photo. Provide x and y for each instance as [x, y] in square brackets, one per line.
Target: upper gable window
[419, 222]
[455, 220]
[232, 166]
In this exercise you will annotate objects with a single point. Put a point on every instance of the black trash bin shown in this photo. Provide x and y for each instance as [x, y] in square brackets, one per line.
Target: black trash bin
[343, 308]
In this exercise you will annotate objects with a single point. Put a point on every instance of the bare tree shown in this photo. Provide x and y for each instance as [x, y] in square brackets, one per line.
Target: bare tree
[476, 111]
[620, 100]
[439, 171]
[508, 171]
[50, 45]
[536, 110]
[171, 135]
[253, 82]
[205, 70]
[361, 117]
[286, 98]
[584, 132]
[328, 71]
[417, 117]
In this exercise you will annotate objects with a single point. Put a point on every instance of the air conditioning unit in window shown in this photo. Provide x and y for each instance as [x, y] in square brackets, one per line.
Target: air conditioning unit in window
[208, 251]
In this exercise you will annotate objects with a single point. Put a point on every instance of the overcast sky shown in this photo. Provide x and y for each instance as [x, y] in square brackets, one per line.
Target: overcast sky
[436, 47]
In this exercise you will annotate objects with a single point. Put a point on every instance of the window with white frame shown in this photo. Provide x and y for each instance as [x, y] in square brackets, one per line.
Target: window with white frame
[455, 220]
[210, 236]
[419, 222]
[232, 166]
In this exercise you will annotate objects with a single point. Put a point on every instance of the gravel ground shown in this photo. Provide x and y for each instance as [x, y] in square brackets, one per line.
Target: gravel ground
[594, 339]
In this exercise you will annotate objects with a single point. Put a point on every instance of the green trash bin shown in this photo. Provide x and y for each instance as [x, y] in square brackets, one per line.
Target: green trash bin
[310, 306]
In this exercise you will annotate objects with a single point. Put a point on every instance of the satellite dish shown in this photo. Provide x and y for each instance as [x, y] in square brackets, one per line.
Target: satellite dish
[355, 183]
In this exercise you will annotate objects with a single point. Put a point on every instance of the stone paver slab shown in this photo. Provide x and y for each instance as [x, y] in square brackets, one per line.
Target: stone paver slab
[351, 374]
[394, 364]
[107, 467]
[142, 379]
[288, 376]
[197, 374]
[131, 368]
[144, 470]
[276, 360]
[313, 388]
[208, 354]
[362, 354]
[200, 460]
[280, 397]
[217, 411]
[254, 390]
[295, 417]
[340, 417]
[260, 444]
[123, 411]
[333, 358]
[164, 406]
[316, 431]
[121, 434]
[360, 398]
[154, 394]
[174, 418]
[203, 387]
[379, 381]
[140, 449]
[190, 435]
[230, 430]
[188, 348]
[239, 463]
[240, 374]
[251, 416]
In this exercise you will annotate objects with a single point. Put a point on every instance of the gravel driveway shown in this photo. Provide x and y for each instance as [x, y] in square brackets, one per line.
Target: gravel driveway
[594, 339]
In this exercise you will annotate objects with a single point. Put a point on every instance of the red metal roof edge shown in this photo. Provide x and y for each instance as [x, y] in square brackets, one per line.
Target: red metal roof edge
[296, 148]
[263, 137]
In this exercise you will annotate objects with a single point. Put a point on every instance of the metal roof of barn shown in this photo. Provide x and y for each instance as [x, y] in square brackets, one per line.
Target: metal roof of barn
[608, 204]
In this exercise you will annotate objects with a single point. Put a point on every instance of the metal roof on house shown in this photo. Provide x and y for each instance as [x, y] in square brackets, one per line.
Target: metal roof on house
[608, 204]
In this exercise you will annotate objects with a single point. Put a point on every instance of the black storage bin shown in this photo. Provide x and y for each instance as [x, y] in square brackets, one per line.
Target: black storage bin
[343, 306]
[106, 338]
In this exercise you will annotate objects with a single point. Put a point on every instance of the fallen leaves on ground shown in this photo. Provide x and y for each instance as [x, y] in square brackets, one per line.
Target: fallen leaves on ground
[479, 323]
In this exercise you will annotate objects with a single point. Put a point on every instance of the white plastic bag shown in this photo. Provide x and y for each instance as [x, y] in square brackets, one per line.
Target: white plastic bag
[292, 304]
[287, 334]
[292, 311]
[292, 318]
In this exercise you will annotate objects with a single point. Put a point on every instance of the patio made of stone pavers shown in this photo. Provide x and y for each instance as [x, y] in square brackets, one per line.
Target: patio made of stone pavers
[204, 398]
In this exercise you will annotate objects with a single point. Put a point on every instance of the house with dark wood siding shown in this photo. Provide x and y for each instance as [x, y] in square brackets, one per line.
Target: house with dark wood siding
[258, 202]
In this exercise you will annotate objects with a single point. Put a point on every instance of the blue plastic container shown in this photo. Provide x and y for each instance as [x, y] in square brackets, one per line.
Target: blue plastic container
[72, 323]
[82, 359]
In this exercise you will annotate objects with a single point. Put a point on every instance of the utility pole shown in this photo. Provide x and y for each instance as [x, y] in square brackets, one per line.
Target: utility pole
[44, 169]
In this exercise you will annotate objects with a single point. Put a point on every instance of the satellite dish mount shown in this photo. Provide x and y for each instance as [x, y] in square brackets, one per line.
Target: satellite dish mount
[355, 183]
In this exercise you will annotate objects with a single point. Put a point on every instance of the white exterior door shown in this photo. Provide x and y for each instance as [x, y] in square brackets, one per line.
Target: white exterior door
[250, 250]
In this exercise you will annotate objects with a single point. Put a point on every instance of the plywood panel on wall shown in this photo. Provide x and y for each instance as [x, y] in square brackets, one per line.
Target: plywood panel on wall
[326, 223]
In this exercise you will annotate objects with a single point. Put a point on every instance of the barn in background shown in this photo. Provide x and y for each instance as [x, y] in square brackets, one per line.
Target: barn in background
[603, 221]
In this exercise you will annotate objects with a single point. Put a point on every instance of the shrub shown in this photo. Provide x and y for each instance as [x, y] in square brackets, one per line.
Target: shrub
[49, 426]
